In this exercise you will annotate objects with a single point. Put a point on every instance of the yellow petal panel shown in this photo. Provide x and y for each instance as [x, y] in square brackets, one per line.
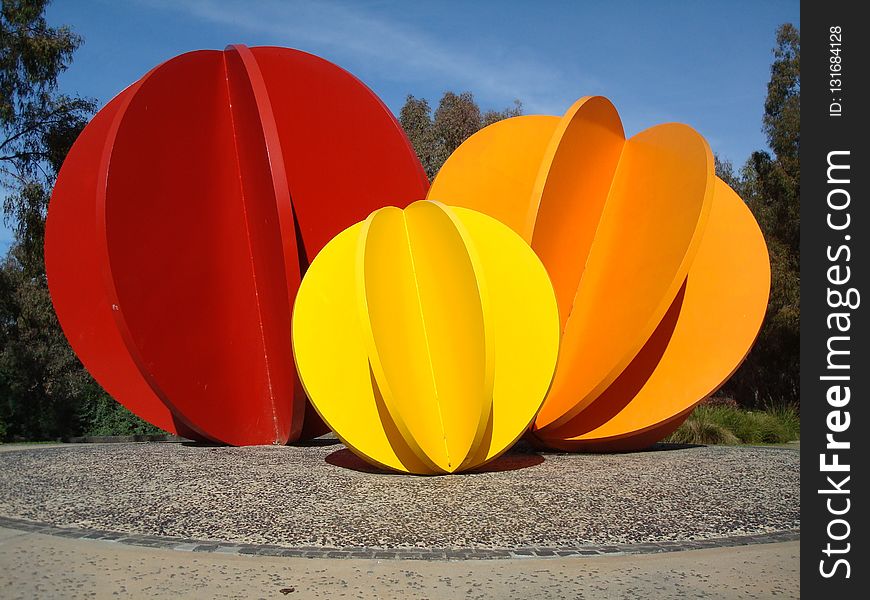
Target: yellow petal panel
[525, 325]
[426, 324]
[329, 349]
[427, 338]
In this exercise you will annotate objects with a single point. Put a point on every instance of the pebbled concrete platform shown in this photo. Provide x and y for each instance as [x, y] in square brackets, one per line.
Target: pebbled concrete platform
[322, 498]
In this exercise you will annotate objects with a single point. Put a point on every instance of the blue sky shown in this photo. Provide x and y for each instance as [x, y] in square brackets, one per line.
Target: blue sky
[702, 63]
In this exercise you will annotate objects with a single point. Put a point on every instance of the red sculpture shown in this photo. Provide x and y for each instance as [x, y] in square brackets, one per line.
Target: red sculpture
[187, 212]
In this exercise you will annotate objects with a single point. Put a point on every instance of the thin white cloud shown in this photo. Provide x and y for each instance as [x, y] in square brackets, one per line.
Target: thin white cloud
[396, 51]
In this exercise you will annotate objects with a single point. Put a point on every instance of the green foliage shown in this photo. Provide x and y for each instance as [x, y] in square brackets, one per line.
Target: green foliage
[725, 172]
[788, 417]
[771, 187]
[40, 378]
[723, 424]
[101, 415]
[45, 393]
[782, 108]
[38, 125]
[32, 55]
[701, 429]
[457, 117]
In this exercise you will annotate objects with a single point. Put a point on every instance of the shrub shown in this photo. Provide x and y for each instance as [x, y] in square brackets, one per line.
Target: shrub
[713, 423]
[699, 428]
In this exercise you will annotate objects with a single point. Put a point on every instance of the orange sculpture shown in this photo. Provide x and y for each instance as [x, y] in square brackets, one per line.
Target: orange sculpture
[660, 271]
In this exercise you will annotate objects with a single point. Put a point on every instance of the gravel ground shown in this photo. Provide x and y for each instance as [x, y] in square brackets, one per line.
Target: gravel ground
[321, 495]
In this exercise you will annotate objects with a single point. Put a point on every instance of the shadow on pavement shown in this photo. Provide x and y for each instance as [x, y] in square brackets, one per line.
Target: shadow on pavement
[316, 442]
[507, 462]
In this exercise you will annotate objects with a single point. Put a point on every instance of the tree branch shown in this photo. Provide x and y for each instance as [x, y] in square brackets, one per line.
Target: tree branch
[51, 119]
[22, 156]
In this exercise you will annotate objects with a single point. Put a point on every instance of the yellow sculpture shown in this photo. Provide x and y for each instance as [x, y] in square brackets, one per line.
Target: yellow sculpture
[660, 271]
[426, 338]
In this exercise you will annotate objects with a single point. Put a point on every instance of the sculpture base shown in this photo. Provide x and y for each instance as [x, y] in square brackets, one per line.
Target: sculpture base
[303, 497]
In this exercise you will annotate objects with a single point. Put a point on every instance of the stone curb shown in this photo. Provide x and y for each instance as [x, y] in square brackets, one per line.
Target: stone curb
[222, 547]
[126, 439]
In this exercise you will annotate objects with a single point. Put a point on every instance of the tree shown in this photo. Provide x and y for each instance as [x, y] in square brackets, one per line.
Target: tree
[44, 390]
[725, 171]
[416, 119]
[43, 385]
[38, 125]
[457, 117]
[771, 187]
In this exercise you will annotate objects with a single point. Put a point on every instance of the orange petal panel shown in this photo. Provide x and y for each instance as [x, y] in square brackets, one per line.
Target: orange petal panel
[647, 237]
[700, 343]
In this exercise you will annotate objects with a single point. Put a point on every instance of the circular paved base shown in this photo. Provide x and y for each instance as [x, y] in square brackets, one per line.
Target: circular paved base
[322, 496]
